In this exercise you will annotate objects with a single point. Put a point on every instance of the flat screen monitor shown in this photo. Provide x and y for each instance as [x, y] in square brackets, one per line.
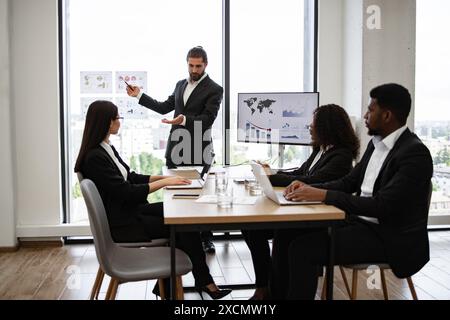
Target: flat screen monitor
[276, 118]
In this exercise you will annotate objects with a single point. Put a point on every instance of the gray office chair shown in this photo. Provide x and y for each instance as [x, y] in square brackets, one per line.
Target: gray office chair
[382, 266]
[95, 291]
[128, 264]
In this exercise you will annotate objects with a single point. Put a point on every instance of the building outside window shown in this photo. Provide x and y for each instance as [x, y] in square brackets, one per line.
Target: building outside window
[432, 105]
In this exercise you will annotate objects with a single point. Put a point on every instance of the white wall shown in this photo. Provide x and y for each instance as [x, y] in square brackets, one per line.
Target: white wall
[7, 220]
[352, 56]
[365, 58]
[389, 54]
[330, 51]
[35, 97]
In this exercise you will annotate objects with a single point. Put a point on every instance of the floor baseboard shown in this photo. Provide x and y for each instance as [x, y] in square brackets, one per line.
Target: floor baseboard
[41, 243]
[9, 249]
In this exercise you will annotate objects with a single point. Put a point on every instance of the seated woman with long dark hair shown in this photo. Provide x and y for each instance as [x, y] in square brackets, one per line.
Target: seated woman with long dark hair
[335, 146]
[131, 218]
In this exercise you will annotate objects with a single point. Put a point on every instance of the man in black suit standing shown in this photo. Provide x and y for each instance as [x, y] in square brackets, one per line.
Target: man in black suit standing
[196, 102]
[385, 197]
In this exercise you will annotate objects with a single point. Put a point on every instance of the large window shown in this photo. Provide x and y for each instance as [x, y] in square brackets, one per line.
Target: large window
[432, 104]
[267, 55]
[146, 42]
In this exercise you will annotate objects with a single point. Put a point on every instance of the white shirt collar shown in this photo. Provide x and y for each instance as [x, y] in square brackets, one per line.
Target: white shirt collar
[325, 149]
[110, 152]
[390, 140]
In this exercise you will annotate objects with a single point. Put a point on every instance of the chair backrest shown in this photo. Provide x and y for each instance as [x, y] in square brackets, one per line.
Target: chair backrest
[80, 177]
[430, 194]
[104, 244]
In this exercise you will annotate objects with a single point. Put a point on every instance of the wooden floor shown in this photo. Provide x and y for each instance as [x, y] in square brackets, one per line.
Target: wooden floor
[69, 272]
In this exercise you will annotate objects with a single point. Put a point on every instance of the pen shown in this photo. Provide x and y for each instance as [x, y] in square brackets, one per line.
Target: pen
[186, 196]
[128, 85]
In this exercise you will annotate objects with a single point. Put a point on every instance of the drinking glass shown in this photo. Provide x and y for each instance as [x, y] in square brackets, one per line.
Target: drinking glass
[221, 182]
[225, 198]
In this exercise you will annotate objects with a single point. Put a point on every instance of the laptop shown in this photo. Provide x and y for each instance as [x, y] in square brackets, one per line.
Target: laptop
[275, 196]
[196, 183]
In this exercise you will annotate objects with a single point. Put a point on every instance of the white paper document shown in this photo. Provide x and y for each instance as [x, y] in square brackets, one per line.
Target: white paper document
[212, 199]
[96, 82]
[134, 78]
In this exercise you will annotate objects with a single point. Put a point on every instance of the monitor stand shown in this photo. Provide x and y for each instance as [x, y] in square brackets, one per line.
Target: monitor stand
[281, 155]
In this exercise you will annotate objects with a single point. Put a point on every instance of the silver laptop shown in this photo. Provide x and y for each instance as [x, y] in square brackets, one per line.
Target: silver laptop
[196, 183]
[275, 196]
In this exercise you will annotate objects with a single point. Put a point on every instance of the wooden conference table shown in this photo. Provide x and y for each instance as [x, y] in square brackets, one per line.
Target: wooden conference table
[188, 215]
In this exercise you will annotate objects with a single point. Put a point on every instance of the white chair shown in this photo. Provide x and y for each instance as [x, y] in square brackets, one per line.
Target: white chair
[124, 264]
[101, 274]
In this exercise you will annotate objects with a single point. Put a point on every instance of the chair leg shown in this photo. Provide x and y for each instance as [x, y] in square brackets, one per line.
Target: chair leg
[162, 291]
[354, 285]
[411, 288]
[112, 289]
[323, 295]
[97, 284]
[383, 283]
[179, 289]
[344, 277]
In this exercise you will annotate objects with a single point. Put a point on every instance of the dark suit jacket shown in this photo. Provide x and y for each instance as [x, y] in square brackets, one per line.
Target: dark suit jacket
[334, 164]
[121, 198]
[201, 108]
[400, 201]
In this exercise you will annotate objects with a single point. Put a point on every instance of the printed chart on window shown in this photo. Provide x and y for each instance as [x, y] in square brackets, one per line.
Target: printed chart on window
[133, 78]
[101, 85]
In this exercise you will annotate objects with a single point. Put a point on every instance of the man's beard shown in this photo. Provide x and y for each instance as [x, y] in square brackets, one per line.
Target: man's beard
[373, 132]
[196, 76]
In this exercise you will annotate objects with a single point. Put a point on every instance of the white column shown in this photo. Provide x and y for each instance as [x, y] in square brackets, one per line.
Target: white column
[389, 53]
[363, 44]
[35, 105]
[330, 52]
[7, 220]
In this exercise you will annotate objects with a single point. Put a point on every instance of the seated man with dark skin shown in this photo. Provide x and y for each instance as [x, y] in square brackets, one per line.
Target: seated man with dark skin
[385, 197]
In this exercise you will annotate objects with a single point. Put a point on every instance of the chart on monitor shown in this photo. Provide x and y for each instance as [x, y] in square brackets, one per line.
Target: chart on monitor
[276, 118]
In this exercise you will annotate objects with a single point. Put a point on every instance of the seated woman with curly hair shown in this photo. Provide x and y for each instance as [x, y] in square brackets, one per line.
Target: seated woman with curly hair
[335, 147]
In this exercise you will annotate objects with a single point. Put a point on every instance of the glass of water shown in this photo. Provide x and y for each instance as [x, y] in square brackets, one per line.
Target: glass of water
[225, 198]
[255, 189]
[221, 182]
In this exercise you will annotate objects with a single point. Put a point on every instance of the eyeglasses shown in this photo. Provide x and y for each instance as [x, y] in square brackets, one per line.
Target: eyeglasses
[119, 118]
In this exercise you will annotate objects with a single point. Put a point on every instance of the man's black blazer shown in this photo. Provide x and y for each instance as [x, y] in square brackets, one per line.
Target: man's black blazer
[121, 197]
[399, 202]
[201, 108]
[334, 164]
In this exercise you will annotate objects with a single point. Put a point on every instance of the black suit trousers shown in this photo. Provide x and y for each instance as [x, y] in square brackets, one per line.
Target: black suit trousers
[258, 243]
[297, 255]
